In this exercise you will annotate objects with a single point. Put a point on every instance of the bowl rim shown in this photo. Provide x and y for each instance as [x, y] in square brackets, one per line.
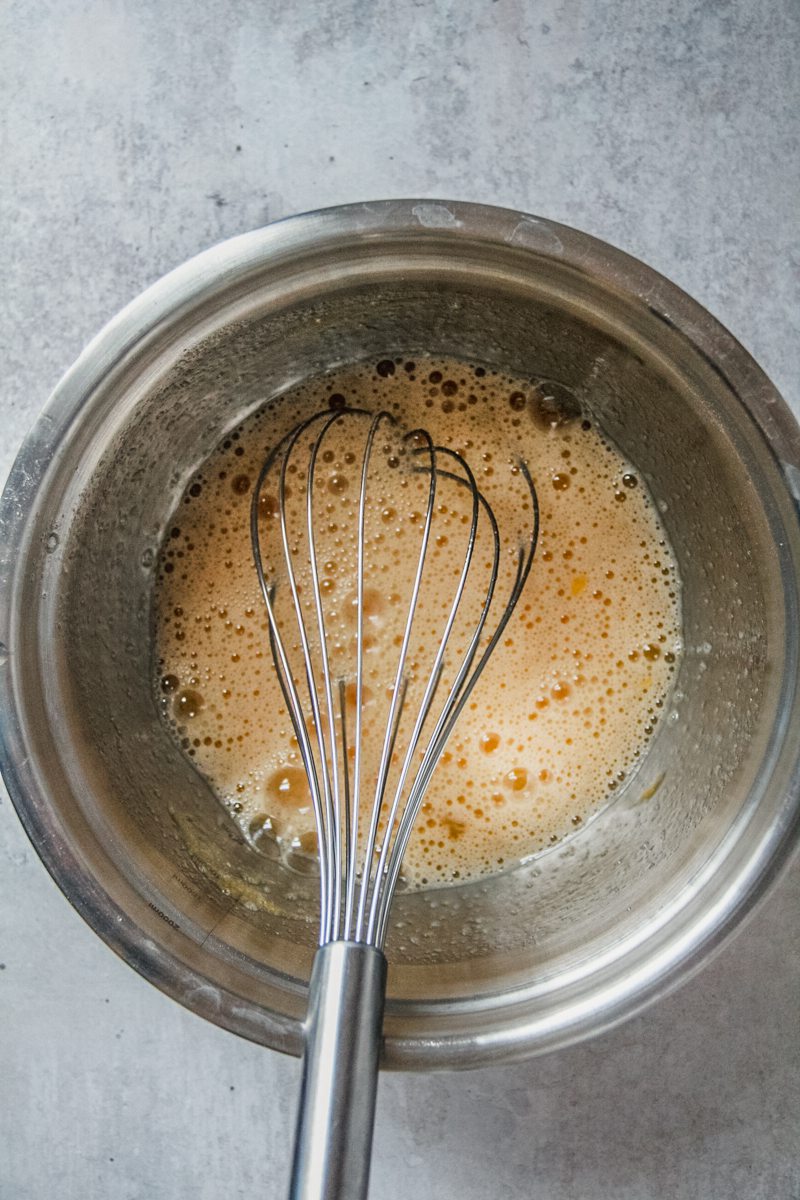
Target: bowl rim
[212, 270]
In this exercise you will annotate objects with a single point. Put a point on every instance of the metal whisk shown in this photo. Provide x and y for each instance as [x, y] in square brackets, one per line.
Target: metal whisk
[325, 553]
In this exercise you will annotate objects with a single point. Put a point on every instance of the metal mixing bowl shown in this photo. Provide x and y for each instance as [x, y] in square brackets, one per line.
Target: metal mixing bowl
[587, 933]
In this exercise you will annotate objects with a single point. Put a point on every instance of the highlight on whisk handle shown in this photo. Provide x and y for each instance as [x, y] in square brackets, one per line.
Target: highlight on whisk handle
[333, 1139]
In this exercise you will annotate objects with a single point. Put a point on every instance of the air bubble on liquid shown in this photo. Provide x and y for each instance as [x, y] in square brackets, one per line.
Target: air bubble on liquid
[296, 859]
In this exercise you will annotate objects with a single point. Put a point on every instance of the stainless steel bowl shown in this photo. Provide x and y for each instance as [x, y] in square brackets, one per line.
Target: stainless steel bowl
[555, 950]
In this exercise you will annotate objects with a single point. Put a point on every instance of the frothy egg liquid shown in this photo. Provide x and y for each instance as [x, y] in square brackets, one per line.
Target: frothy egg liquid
[568, 701]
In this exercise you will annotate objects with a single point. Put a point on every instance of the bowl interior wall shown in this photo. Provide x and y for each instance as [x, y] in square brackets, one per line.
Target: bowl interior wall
[152, 813]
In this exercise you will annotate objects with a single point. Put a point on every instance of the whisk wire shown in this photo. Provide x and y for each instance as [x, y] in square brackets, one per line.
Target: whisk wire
[362, 509]
[385, 760]
[326, 754]
[334, 867]
[348, 800]
[283, 669]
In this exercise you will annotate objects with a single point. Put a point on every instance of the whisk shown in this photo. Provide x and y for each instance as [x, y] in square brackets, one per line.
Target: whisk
[330, 507]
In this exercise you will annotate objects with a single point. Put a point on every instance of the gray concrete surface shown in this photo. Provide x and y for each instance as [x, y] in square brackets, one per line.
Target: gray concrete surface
[133, 135]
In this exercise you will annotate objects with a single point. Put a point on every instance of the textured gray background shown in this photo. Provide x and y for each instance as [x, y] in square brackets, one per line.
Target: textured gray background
[136, 132]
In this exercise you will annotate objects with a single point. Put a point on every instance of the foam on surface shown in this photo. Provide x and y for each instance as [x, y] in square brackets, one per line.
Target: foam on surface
[568, 701]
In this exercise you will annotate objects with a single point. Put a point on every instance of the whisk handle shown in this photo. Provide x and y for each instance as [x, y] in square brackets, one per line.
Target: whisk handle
[333, 1139]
